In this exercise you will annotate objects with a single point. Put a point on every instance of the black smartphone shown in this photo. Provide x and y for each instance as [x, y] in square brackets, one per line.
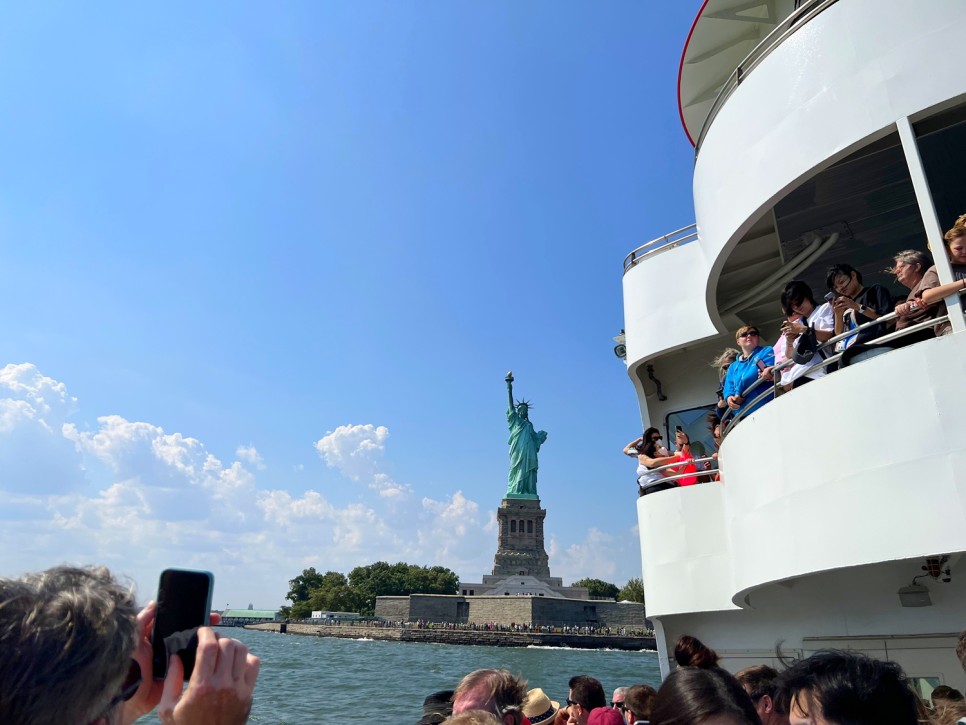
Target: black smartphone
[184, 604]
[831, 296]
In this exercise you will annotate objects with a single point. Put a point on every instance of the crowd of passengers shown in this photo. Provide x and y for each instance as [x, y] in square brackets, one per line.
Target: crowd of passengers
[755, 373]
[77, 650]
[828, 688]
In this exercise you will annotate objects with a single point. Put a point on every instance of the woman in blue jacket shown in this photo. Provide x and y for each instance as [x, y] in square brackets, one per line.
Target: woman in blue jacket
[747, 369]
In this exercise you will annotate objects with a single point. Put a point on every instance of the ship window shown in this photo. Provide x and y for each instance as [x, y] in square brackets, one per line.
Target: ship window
[925, 685]
[694, 421]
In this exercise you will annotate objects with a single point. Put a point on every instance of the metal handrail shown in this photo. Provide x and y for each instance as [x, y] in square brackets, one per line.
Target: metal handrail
[783, 30]
[678, 464]
[677, 238]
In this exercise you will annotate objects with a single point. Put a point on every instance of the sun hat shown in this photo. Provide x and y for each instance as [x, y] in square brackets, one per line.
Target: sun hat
[538, 707]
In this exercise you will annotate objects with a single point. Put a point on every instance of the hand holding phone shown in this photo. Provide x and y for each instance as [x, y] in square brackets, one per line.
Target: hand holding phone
[184, 605]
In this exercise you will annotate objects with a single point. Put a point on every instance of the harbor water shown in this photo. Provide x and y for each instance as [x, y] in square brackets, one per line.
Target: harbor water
[319, 679]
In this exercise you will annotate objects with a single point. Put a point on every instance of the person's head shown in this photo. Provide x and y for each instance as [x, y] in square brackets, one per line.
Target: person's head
[617, 699]
[961, 649]
[702, 696]
[843, 279]
[716, 434]
[605, 716]
[748, 338]
[586, 693]
[759, 683]
[638, 703]
[909, 266]
[945, 695]
[955, 241]
[437, 707]
[797, 298]
[67, 635]
[692, 652]
[651, 435]
[496, 691]
[845, 688]
[540, 709]
[724, 360]
[949, 714]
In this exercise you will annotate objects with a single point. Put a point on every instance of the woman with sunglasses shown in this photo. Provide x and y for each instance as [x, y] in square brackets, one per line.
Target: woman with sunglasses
[650, 454]
[753, 362]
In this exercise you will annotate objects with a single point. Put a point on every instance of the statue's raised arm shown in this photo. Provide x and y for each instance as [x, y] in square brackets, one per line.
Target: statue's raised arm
[524, 444]
[509, 389]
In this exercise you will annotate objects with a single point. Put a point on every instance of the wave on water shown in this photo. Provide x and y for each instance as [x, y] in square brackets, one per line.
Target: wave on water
[588, 649]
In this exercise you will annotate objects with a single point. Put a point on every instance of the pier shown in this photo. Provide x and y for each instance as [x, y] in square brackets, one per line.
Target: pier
[464, 636]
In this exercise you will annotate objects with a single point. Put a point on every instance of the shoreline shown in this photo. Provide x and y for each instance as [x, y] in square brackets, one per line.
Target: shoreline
[463, 637]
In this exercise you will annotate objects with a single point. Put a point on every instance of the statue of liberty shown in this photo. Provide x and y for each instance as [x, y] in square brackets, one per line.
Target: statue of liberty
[524, 443]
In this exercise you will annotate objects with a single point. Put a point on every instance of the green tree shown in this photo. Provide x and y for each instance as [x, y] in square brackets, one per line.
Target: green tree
[300, 588]
[386, 580]
[633, 591]
[598, 588]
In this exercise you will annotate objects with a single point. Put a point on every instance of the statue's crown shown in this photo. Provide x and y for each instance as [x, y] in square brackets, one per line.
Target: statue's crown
[524, 403]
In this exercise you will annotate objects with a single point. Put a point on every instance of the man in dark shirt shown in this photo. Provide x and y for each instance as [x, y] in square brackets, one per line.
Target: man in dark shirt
[854, 304]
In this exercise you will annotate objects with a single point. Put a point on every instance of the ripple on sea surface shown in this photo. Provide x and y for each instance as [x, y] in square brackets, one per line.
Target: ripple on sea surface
[322, 679]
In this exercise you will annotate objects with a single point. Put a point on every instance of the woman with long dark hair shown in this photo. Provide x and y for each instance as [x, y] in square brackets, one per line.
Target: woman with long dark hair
[702, 696]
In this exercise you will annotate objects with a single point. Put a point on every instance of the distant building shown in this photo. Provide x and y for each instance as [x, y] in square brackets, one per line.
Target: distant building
[520, 590]
[239, 617]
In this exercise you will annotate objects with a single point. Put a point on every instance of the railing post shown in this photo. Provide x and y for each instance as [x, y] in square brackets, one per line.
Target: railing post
[927, 209]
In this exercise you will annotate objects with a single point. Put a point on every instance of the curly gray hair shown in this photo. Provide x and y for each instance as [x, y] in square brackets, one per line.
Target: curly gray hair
[67, 635]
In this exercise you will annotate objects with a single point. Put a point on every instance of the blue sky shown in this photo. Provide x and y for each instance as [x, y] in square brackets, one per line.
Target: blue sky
[264, 269]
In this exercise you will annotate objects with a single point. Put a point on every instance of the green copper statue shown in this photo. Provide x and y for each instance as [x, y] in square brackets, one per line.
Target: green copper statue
[524, 443]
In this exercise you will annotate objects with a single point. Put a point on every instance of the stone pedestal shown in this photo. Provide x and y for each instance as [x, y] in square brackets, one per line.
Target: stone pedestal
[520, 549]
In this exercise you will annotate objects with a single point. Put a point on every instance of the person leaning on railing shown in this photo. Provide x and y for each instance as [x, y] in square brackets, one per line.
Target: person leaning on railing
[913, 271]
[648, 451]
[855, 304]
[797, 297]
[743, 372]
[955, 242]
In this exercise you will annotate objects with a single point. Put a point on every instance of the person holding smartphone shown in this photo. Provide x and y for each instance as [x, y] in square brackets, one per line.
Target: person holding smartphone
[76, 650]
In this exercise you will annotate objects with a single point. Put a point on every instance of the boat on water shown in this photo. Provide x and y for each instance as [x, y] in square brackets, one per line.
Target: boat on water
[825, 131]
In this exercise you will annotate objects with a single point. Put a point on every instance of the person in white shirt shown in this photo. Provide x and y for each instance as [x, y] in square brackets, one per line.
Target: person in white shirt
[797, 298]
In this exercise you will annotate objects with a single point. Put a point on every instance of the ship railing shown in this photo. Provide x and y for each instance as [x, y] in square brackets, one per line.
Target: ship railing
[776, 37]
[673, 239]
[678, 464]
[730, 419]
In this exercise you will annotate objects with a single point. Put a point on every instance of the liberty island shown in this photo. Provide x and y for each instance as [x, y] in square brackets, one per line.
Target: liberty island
[519, 603]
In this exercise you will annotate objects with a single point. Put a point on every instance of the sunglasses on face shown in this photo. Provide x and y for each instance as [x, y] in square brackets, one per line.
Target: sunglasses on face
[618, 706]
[131, 684]
[571, 703]
[750, 333]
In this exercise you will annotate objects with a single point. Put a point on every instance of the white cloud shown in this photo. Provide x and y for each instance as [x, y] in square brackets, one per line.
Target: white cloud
[250, 455]
[599, 556]
[34, 456]
[139, 499]
[356, 451]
